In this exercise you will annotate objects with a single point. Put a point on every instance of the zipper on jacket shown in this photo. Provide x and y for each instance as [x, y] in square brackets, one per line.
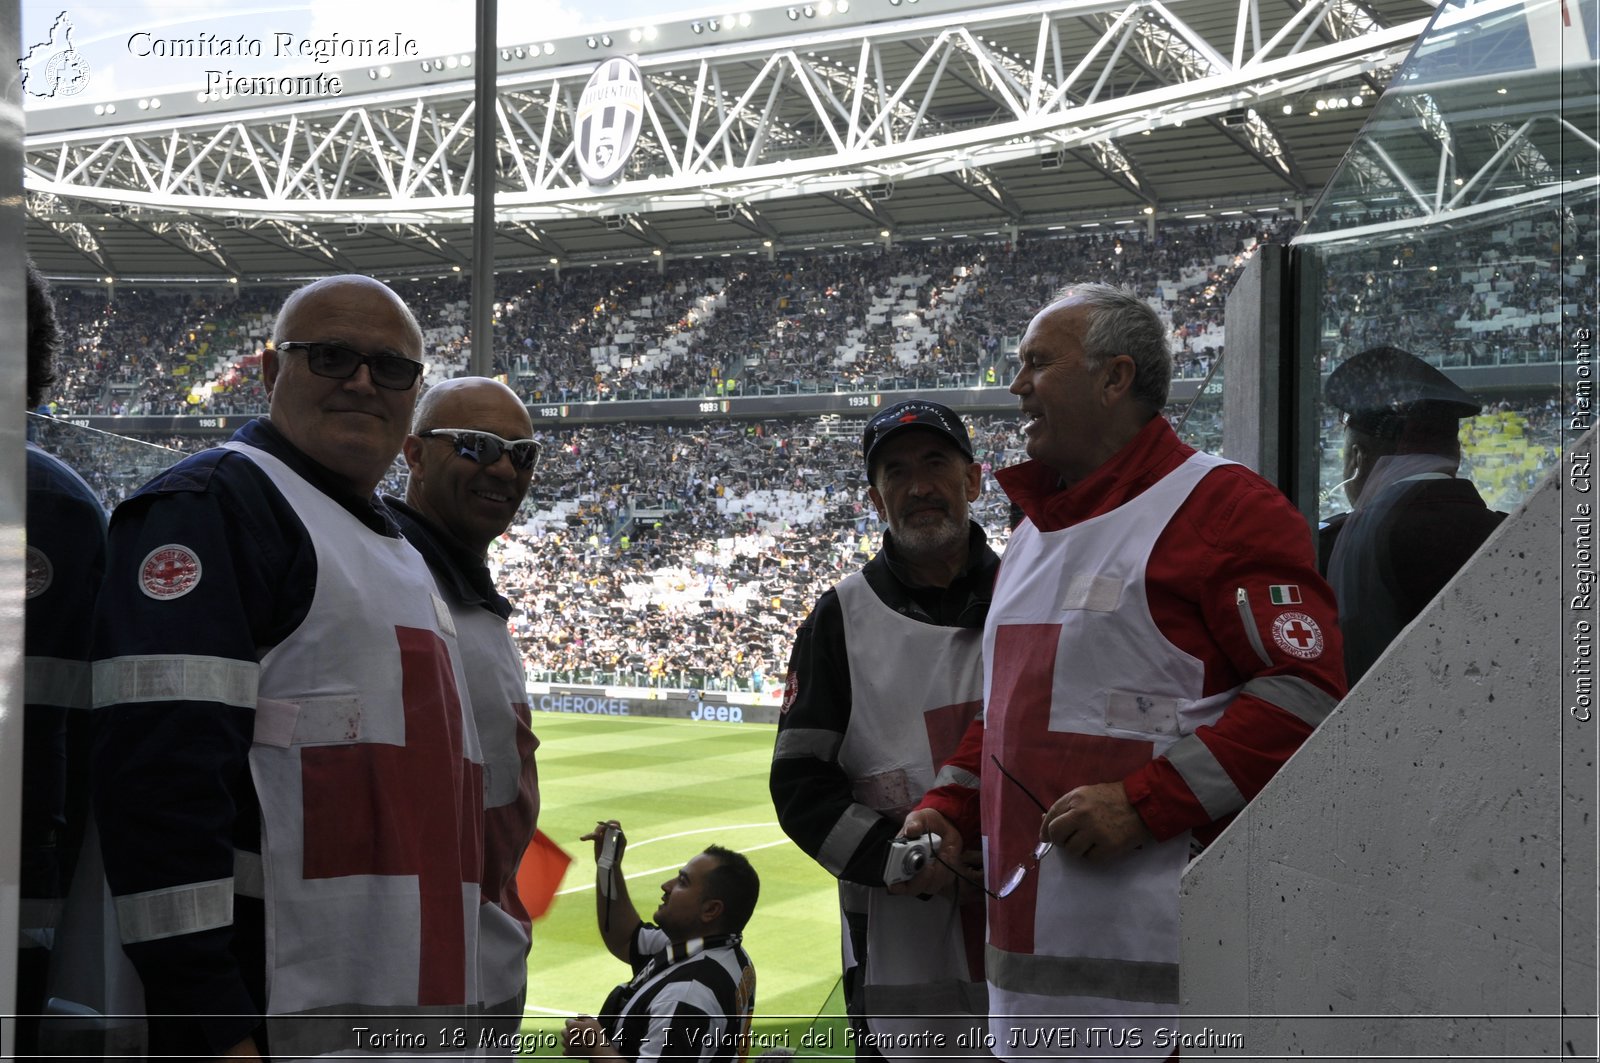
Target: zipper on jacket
[1248, 618]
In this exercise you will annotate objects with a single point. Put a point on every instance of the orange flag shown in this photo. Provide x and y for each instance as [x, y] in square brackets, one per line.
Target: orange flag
[539, 874]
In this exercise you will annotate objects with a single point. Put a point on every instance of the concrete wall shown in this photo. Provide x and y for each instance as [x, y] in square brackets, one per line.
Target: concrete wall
[1430, 852]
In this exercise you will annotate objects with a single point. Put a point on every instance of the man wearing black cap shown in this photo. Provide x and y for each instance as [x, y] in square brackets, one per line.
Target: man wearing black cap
[1414, 523]
[885, 675]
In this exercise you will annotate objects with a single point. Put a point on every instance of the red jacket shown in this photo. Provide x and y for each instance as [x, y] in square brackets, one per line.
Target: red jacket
[1235, 531]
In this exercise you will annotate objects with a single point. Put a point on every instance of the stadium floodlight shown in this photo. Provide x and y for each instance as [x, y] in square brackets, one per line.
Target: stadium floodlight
[793, 14]
[825, 8]
[842, 6]
[699, 27]
[744, 19]
[450, 61]
[809, 11]
[635, 35]
[591, 42]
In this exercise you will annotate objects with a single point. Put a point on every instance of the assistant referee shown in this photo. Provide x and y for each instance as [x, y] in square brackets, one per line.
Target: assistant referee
[693, 988]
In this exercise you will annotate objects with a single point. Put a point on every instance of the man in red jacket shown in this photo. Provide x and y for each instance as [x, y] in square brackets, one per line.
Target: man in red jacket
[1158, 646]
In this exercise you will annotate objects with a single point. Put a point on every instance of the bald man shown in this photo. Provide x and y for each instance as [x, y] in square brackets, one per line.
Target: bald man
[471, 460]
[289, 789]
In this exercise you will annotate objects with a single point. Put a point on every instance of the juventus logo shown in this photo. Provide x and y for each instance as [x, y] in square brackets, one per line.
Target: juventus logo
[610, 115]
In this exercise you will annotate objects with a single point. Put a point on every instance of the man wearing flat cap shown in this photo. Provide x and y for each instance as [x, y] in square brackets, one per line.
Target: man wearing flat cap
[885, 675]
[1414, 521]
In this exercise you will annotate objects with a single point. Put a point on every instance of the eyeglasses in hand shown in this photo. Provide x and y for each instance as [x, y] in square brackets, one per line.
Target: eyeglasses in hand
[1014, 877]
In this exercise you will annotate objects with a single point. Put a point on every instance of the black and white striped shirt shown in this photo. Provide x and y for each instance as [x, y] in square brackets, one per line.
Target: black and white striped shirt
[692, 1002]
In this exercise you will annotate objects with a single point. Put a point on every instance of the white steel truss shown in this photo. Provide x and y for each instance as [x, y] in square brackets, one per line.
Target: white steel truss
[833, 111]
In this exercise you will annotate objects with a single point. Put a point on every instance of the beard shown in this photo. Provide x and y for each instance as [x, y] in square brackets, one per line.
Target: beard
[929, 538]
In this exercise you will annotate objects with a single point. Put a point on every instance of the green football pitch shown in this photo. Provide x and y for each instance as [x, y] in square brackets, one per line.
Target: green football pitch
[676, 786]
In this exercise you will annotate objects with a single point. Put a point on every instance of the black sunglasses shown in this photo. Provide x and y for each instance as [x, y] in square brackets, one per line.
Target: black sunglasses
[338, 362]
[485, 448]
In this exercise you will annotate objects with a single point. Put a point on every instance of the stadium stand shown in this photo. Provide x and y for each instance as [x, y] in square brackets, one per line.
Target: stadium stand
[684, 556]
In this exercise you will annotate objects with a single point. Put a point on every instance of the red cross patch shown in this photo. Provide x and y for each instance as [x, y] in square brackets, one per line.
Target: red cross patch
[1297, 635]
[40, 572]
[169, 571]
[791, 690]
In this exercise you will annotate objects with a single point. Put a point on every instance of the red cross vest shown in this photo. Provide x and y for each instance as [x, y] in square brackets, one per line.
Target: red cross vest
[914, 689]
[370, 783]
[497, 691]
[1081, 687]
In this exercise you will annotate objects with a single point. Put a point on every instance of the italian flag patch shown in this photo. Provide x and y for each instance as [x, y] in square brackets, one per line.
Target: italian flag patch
[1284, 593]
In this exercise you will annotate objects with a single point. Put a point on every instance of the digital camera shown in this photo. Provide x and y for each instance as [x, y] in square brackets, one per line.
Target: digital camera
[907, 856]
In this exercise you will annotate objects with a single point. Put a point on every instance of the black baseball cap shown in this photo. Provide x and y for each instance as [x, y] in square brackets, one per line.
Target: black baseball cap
[915, 413]
[1382, 387]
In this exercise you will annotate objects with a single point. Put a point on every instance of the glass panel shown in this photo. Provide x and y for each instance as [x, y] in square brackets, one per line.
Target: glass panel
[1456, 226]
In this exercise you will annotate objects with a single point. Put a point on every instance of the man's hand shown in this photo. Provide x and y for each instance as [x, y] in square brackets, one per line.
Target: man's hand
[1095, 822]
[936, 877]
[585, 1039]
[598, 836]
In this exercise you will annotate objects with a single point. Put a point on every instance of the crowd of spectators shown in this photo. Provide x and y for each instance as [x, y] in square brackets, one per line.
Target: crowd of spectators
[913, 316]
[1495, 295]
[686, 555]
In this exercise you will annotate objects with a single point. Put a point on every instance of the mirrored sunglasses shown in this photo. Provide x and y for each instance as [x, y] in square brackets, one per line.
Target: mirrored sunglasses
[338, 362]
[485, 448]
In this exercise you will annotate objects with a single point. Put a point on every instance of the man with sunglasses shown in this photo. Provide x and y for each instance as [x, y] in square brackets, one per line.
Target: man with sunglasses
[1158, 646]
[884, 678]
[282, 738]
[471, 461]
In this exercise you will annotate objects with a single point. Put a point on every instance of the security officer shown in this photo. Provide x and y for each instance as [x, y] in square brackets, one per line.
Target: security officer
[1414, 521]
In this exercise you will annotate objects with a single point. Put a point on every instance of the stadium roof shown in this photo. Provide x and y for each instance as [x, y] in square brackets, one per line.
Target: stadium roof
[812, 125]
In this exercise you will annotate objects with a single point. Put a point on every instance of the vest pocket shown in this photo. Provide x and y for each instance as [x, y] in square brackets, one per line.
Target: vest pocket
[1095, 594]
[1145, 713]
[887, 791]
[310, 722]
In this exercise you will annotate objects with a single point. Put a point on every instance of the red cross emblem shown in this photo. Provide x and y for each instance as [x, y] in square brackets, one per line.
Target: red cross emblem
[509, 828]
[907, 418]
[1049, 763]
[1298, 635]
[169, 571]
[416, 809]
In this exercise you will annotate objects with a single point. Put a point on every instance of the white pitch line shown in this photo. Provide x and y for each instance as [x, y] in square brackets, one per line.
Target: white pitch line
[670, 867]
[699, 830]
